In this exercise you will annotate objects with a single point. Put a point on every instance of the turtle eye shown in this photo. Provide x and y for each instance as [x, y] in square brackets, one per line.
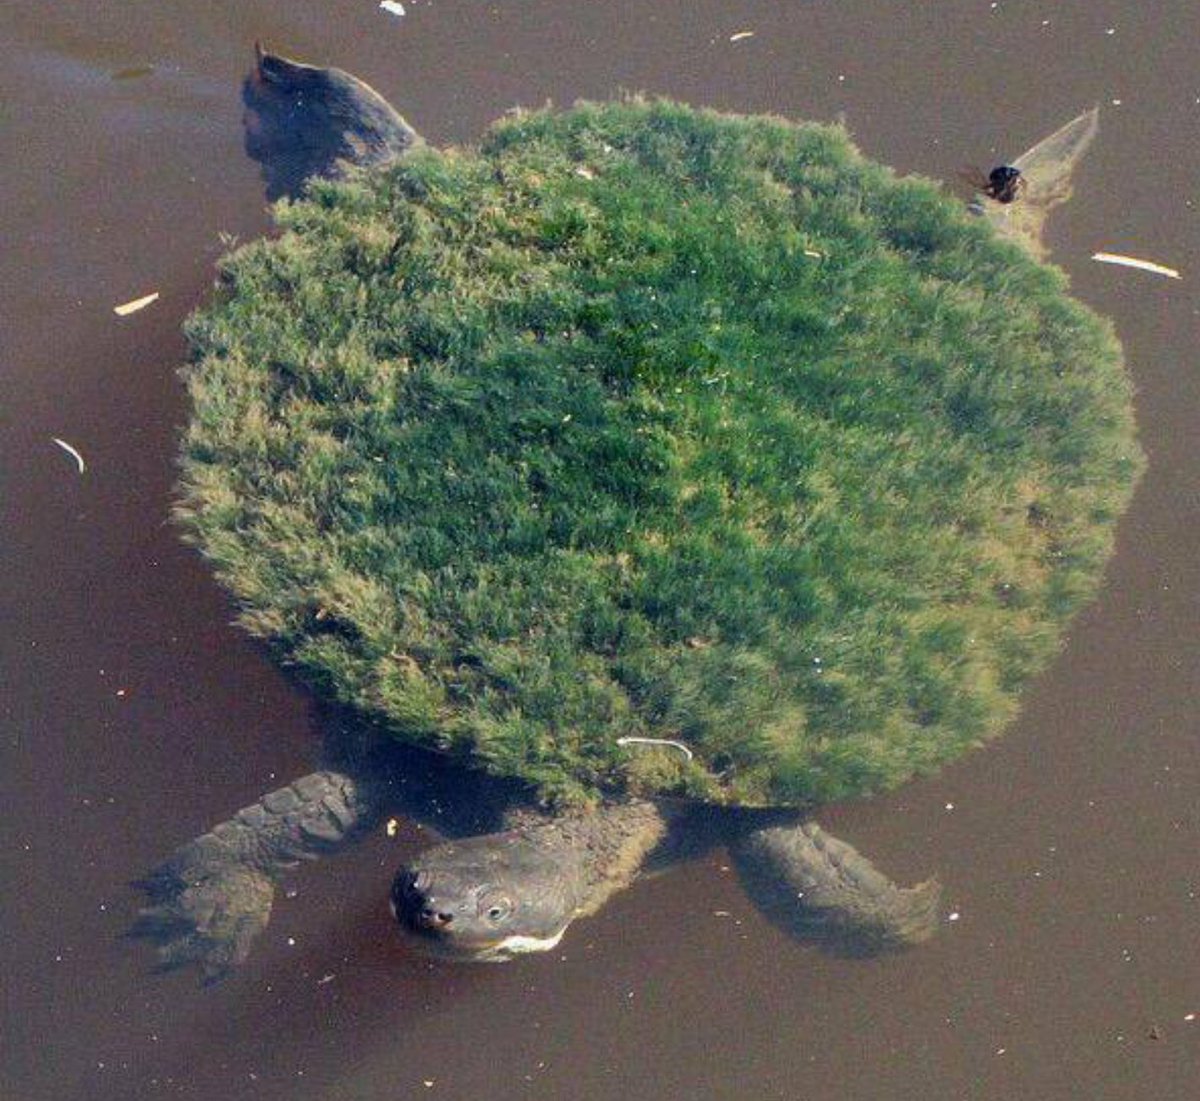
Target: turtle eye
[499, 909]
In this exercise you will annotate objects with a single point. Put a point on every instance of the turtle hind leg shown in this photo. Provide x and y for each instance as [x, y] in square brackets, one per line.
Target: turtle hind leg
[823, 889]
[302, 121]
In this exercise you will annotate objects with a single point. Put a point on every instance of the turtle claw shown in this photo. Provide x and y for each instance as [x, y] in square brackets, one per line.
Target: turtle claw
[208, 918]
[915, 916]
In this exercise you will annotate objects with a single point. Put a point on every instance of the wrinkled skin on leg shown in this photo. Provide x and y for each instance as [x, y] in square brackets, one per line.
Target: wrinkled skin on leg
[213, 897]
[205, 911]
[819, 888]
[302, 121]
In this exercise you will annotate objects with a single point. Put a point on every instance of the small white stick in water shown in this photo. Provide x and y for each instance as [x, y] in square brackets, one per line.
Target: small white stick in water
[72, 452]
[127, 308]
[657, 741]
[1133, 262]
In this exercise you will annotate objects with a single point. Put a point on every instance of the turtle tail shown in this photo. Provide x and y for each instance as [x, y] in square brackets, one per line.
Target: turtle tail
[823, 889]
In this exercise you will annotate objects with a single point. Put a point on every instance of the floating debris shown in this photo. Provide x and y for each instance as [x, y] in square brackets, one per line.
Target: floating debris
[392, 8]
[72, 452]
[326, 979]
[657, 741]
[133, 72]
[393, 827]
[737, 36]
[127, 308]
[1133, 262]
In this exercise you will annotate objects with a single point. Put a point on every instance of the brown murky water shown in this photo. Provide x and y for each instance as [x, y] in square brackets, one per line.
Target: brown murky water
[133, 715]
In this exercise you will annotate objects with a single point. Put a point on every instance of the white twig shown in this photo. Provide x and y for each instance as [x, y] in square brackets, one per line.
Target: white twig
[125, 309]
[72, 452]
[1132, 262]
[657, 741]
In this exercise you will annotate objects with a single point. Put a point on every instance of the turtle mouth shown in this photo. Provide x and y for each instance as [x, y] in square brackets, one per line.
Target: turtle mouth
[430, 931]
[435, 940]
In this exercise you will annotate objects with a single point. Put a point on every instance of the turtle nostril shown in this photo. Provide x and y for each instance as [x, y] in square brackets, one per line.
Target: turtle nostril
[432, 916]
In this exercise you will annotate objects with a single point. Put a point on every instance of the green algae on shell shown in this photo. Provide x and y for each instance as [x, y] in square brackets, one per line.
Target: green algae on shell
[645, 422]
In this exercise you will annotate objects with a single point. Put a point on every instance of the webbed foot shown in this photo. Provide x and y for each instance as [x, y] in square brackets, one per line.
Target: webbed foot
[206, 909]
[823, 889]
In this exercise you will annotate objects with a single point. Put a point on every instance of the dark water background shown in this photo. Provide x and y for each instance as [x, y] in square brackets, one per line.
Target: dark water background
[133, 715]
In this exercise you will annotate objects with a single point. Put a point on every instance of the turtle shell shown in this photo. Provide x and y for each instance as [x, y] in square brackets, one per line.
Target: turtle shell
[648, 448]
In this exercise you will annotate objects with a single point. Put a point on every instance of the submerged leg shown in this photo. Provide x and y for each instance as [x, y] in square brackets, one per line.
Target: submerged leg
[213, 897]
[302, 121]
[821, 888]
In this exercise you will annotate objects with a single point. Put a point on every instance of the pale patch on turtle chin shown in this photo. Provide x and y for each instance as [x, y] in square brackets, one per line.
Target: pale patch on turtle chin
[518, 946]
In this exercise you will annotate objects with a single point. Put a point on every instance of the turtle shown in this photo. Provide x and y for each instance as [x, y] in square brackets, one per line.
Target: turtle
[538, 836]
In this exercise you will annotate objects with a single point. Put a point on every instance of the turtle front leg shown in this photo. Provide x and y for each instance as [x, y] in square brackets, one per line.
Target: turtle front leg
[820, 888]
[213, 897]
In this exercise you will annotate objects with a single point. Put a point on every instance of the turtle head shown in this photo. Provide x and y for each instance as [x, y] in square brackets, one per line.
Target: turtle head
[487, 898]
[303, 121]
